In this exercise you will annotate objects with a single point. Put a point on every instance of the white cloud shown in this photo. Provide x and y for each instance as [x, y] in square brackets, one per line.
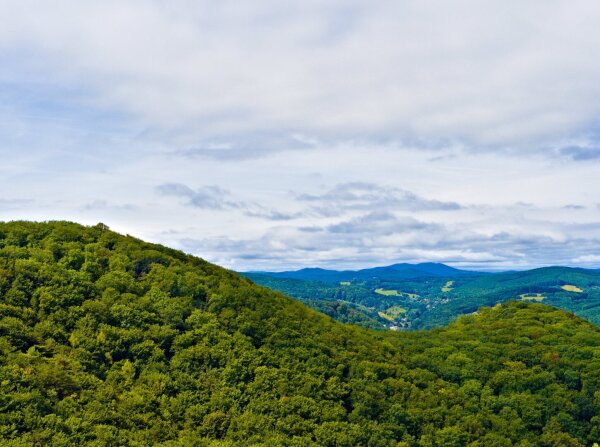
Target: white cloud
[336, 133]
[587, 259]
[500, 74]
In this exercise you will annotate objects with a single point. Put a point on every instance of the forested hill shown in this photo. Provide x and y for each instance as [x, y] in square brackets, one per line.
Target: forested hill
[106, 340]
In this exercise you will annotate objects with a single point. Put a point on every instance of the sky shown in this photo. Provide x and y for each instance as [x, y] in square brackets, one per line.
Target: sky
[268, 135]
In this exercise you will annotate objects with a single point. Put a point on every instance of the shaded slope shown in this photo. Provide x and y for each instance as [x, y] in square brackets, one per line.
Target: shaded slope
[344, 303]
[107, 340]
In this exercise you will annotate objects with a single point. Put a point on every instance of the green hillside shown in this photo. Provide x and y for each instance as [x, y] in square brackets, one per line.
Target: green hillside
[106, 340]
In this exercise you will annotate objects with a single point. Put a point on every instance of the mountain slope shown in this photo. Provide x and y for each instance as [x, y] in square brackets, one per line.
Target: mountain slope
[109, 341]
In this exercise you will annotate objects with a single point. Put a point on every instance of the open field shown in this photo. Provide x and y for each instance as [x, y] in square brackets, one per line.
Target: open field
[448, 286]
[532, 297]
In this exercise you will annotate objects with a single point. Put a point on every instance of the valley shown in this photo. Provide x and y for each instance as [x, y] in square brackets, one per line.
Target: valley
[433, 295]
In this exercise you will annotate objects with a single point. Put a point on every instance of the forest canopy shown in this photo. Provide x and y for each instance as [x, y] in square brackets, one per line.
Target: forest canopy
[106, 340]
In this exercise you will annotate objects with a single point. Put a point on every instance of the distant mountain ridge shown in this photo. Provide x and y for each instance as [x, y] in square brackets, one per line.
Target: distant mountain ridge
[394, 271]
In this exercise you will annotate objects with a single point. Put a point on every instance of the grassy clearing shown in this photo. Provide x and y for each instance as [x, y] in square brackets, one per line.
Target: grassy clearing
[571, 288]
[387, 292]
[448, 286]
[392, 313]
[532, 297]
[385, 316]
[395, 311]
[380, 291]
[345, 283]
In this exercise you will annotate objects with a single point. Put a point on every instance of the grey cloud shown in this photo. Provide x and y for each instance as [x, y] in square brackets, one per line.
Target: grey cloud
[379, 223]
[247, 146]
[273, 215]
[370, 196]
[206, 197]
[524, 205]
[313, 229]
[581, 153]
[216, 198]
[572, 206]
[443, 157]
[225, 153]
[102, 205]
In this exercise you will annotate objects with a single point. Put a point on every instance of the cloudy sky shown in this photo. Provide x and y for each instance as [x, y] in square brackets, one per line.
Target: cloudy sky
[334, 133]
